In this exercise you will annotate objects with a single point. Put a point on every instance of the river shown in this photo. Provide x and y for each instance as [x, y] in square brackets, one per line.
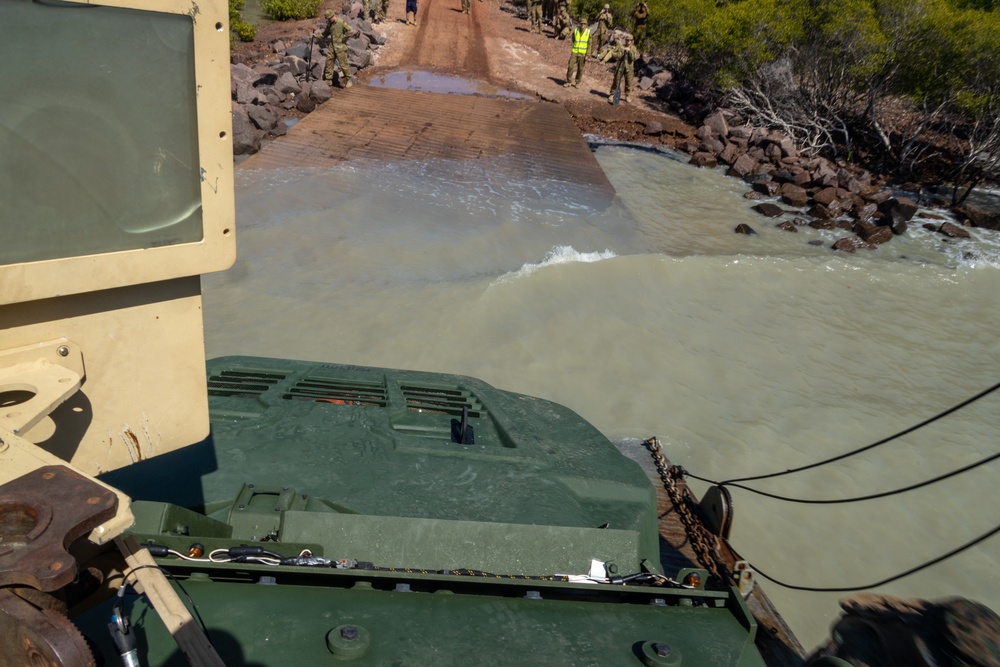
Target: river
[649, 316]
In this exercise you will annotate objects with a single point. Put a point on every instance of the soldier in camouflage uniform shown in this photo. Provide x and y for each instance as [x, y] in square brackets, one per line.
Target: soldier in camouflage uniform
[535, 15]
[337, 32]
[383, 10]
[603, 32]
[562, 25]
[624, 70]
[639, 16]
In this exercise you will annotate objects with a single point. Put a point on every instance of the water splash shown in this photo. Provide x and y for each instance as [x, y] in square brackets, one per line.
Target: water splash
[556, 256]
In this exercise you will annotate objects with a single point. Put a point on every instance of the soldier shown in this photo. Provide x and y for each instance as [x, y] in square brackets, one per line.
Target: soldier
[411, 12]
[535, 15]
[578, 56]
[383, 10]
[639, 16]
[562, 25]
[604, 22]
[625, 69]
[337, 31]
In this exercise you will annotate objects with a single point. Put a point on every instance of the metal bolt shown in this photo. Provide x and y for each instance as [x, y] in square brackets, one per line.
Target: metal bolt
[63, 351]
[249, 486]
[242, 506]
[349, 632]
[277, 509]
[662, 650]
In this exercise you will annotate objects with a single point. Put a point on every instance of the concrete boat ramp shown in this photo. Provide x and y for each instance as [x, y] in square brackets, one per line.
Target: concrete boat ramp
[367, 123]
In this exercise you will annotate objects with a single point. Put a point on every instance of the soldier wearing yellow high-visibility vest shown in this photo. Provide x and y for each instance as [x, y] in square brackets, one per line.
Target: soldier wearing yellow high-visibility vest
[578, 57]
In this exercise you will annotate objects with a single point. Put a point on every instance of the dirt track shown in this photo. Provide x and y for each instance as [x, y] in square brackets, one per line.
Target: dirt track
[494, 45]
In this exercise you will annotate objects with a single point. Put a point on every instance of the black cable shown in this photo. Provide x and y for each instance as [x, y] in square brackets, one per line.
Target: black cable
[194, 608]
[888, 580]
[866, 447]
[835, 501]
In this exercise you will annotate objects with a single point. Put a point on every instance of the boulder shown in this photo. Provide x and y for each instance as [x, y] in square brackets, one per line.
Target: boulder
[717, 121]
[769, 188]
[265, 75]
[980, 217]
[851, 244]
[729, 153]
[320, 92]
[245, 93]
[769, 210]
[744, 165]
[872, 233]
[645, 83]
[753, 196]
[823, 223]
[952, 230]
[264, 118]
[793, 195]
[787, 226]
[704, 159]
[662, 78]
[653, 128]
[246, 137]
[287, 84]
[296, 66]
[300, 50]
[745, 229]
[242, 72]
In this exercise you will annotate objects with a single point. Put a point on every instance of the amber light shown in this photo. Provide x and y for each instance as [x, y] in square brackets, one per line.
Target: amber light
[692, 579]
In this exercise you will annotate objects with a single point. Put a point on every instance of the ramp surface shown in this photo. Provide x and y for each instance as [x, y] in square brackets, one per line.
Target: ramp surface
[536, 139]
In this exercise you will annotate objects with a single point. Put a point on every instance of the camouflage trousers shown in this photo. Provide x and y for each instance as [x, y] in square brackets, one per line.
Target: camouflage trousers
[577, 62]
[338, 55]
[466, 6]
[535, 16]
[623, 71]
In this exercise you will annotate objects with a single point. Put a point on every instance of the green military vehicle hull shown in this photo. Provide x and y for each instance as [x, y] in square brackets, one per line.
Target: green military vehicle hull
[430, 551]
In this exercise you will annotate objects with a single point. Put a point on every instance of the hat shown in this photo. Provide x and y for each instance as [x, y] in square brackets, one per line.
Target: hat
[328, 13]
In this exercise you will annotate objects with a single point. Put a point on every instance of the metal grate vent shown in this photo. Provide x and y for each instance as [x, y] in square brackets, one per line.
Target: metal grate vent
[338, 392]
[244, 384]
[438, 400]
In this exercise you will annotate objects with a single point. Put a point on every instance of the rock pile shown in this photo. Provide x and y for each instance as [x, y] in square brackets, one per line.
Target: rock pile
[831, 196]
[266, 94]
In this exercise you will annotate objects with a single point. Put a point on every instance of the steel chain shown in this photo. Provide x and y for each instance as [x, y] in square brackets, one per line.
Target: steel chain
[705, 544]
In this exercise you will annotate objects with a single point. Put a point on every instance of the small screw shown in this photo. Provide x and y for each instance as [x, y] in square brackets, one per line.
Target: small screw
[662, 650]
[249, 486]
[242, 506]
[349, 632]
[63, 351]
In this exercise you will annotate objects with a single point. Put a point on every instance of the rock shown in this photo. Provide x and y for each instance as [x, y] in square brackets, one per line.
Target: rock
[850, 244]
[246, 137]
[787, 226]
[952, 230]
[794, 195]
[662, 78]
[359, 59]
[729, 153]
[981, 217]
[872, 233]
[717, 121]
[753, 196]
[245, 92]
[242, 72]
[305, 104]
[745, 229]
[320, 92]
[799, 222]
[769, 210]
[744, 165]
[278, 47]
[287, 84]
[740, 133]
[823, 224]
[866, 212]
[300, 50]
[713, 146]
[262, 117]
[645, 83]
[826, 196]
[815, 242]
[296, 65]
[769, 188]
[265, 76]
[704, 159]
[705, 132]
[824, 212]
[653, 128]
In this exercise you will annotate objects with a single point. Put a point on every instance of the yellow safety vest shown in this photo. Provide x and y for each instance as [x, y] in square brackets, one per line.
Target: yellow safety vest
[581, 40]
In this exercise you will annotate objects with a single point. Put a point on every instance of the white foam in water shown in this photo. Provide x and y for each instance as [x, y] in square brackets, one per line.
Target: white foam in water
[559, 255]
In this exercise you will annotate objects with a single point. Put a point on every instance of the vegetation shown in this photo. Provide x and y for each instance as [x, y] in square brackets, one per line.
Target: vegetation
[239, 28]
[290, 10]
[913, 85]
